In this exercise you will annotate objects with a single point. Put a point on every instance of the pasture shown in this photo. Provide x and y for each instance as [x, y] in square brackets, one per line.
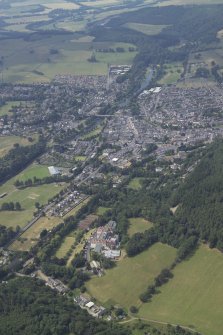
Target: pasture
[194, 296]
[173, 72]
[138, 225]
[123, 284]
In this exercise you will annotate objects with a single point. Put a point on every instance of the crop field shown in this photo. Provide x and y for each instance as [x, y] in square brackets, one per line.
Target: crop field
[123, 284]
[31, 236]
[86, 222]
[138, 225]
[7, 143]
[147, 29]
[194, 296]
[34, 170]
[135, 183]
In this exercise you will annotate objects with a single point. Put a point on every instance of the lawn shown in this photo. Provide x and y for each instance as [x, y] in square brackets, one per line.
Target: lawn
[147, 29]
[92, 134]
[123, 284]
[136, 183]
[34, 170]
[31, 236]
[80, 158]
[7, 143]
[138, 225]
[194, 296]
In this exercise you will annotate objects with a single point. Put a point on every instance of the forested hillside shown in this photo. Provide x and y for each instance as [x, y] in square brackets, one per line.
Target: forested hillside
[201, 198]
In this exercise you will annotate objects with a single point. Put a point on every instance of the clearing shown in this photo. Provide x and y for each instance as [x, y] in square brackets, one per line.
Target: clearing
[138, 225]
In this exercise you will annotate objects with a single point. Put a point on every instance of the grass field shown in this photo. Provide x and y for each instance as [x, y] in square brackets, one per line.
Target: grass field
[147, 29]
[92, 133]
[138, 225]
[123, 284]
[135, 183]
[173, 72]
[7, 143]
[27, 198]
[7, 107]
[102, 210]
[65, 246]
[31, 236]
[80, 246]
[34, 170]
[194, 296]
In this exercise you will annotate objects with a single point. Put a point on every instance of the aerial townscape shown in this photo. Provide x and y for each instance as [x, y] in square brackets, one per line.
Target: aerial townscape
[111, 167]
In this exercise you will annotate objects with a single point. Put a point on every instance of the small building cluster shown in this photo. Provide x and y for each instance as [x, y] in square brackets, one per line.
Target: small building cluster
[86, 303]
[105, 241]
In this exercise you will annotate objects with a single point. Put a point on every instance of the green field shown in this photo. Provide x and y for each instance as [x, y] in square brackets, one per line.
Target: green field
[31, 236]
[136, 183]
[8, 106]
[27, 198]
[102, 210]
[138, 225]
[173, 72]
[65, 246]
[92, 134]
[123, 284]
[34, 170]
[7, 143]
[194, 296]
[147, 29]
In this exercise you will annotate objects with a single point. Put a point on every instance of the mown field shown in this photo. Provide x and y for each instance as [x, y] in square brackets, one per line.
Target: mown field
[194, 296]
[138, 225]
[123, 284]
[34, 170]
[65, 246]
[27, 197]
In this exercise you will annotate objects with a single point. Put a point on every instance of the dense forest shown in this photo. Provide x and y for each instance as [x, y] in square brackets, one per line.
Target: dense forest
[28, 307]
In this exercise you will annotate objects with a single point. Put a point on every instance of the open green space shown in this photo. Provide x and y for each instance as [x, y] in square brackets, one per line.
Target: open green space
[194, 296]
[138, 225]
[172, 75]
[136, 183]
[8, 106]
[34, 170]
[27, 198]
[148, 29]
[102, 210]
[92, 134]
[65, 246]
[123, 284]
[31, 236]
[7, 143]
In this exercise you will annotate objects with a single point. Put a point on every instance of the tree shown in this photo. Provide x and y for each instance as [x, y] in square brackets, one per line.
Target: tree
[18, 206]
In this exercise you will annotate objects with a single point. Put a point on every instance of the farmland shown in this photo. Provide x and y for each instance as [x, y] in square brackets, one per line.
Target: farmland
[123, 284]
[138, 225]
[194, 296]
